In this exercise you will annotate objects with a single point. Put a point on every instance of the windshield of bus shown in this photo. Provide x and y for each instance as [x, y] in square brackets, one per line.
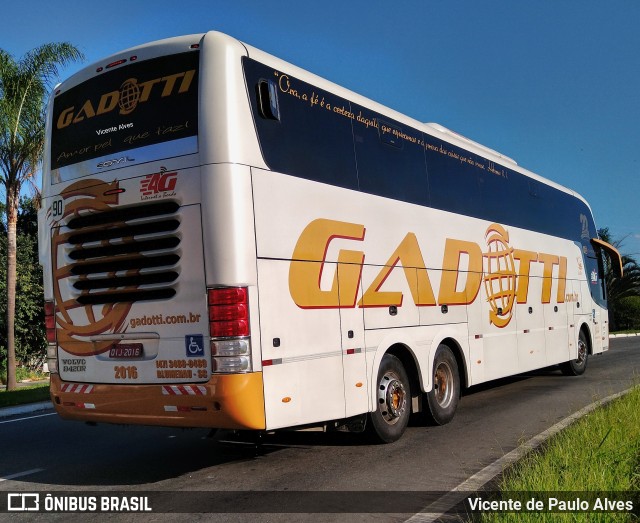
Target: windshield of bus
[147, 110]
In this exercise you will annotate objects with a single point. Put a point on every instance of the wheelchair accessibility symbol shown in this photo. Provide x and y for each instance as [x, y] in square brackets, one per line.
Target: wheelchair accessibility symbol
[194, 344]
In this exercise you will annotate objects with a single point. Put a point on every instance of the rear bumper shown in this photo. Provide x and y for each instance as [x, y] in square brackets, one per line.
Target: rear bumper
[234, 401]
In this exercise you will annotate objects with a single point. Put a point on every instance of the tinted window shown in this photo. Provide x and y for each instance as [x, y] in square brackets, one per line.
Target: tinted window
[465, 183]
[312, 134]
[453, 185]
[146, 103]
[390, 158]
[312, 138]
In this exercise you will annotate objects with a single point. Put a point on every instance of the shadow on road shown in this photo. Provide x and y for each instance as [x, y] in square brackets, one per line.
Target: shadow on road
[112, 455]
[489, 385]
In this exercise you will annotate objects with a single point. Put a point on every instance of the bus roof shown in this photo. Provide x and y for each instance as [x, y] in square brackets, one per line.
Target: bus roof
[182, 43]
[433, 129]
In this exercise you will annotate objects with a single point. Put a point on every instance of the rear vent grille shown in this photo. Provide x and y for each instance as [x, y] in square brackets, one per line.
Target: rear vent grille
[125, 255]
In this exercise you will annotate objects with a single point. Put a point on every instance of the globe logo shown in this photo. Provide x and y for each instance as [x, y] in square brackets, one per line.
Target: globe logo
[129, 96]
[76, 324]
[500, 275]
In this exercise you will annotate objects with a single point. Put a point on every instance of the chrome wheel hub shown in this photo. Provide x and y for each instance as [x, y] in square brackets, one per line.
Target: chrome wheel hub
[582, 352]
[392, 398]
[443, 384]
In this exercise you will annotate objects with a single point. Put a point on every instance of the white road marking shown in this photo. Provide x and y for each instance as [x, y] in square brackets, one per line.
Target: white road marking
[30, 417]
[438, 508]
[20, 474]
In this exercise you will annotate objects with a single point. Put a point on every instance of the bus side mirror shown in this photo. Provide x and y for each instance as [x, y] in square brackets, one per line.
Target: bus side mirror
[614, 255]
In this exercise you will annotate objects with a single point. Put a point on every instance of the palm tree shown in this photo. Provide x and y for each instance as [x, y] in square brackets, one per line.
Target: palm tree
[24, 85]
[619, 287]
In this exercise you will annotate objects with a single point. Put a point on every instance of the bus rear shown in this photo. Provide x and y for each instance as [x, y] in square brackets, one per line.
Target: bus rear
[138, 330]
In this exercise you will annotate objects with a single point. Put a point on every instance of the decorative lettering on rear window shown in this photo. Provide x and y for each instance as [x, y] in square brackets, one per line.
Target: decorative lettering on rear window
[138, 105]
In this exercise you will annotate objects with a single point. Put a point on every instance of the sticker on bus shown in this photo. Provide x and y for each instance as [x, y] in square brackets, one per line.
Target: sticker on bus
[194, 344]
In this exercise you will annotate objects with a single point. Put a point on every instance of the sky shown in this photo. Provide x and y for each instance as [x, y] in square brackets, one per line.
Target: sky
[553, 84]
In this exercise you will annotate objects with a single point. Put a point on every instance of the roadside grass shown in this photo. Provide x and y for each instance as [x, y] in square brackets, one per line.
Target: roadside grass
[22, 374]
[29, 394]
[599, 453]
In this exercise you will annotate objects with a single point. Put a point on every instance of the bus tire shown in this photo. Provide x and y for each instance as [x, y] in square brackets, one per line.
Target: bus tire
[393, 402]
[578, 366]
[442, 399]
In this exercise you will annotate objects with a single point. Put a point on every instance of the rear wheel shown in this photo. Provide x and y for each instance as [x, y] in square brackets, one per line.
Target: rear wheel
[579, 365]
[442, 400]
[389, 420]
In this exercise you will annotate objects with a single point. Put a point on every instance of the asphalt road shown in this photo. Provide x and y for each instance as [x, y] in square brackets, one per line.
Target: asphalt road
[185, 470]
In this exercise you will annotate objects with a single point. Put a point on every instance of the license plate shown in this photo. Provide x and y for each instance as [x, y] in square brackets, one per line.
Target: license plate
[126, 350]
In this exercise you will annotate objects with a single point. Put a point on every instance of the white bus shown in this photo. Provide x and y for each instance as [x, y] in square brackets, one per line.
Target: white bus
[232, 242]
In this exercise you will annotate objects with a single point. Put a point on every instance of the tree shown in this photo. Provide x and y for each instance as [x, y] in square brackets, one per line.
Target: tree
[628, 316]
[30, 336]
[619, 289]
[24, 85]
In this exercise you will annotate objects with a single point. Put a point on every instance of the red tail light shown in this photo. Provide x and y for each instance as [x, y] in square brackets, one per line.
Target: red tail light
[50, 321]
[228, 312]
[228, 295]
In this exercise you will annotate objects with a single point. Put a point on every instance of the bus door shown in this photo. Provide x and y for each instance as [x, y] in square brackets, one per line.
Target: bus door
[302, 276]
[500, 346]
[593, 297]
[498, 325]
[558, 317]
[301, 352]
[599, 313]
[354, 358]
[582, 309]
[529, 319]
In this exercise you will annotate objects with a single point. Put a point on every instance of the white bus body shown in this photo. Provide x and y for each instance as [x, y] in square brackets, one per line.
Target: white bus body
[232, 242]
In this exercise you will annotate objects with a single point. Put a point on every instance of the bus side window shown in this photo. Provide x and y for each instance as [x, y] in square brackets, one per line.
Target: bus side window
[390, 158]
[268, 99]
[601, 273]
[389, 133]
[303, 130]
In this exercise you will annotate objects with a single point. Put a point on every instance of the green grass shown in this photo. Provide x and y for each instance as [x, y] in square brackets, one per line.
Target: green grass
[22, 373]
[29, 394]
[598, 453]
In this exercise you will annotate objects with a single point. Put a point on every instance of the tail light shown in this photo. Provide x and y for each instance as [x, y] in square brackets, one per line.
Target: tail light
[229, 329]
[50, 321]
[52, 347]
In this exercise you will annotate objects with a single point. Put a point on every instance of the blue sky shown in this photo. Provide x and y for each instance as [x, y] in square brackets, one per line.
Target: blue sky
[554, 84]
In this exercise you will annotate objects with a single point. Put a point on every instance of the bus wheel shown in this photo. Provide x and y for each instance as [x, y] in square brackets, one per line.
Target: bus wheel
[442, 400]
[578, 366]
[393, 407]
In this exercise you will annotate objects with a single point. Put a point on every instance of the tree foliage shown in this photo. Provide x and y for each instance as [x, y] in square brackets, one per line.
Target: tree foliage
[629, 313]
[29, 316]
[24, 85]
[621, 292]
